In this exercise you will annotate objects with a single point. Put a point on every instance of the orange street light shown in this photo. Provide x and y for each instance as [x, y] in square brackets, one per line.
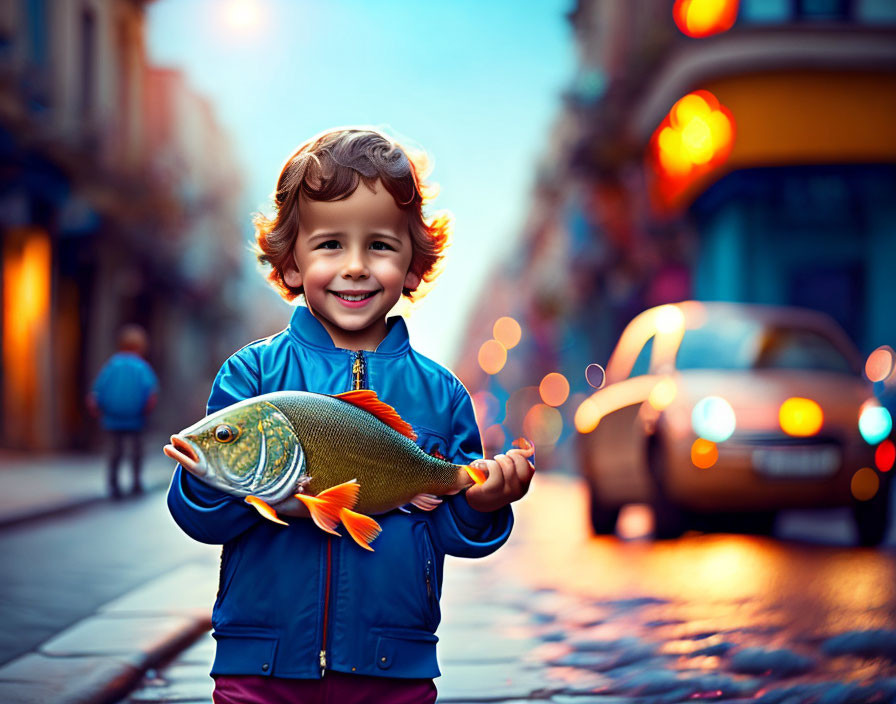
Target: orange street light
[701, 18]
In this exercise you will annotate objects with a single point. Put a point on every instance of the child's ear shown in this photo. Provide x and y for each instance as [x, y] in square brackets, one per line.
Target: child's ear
[411, 281]
[291, 274]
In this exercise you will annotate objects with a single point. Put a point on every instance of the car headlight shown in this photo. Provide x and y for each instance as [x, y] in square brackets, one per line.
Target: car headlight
[713, 419]
[875, 422]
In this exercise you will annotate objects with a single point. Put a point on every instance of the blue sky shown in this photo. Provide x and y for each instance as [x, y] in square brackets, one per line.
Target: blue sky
[476, 84]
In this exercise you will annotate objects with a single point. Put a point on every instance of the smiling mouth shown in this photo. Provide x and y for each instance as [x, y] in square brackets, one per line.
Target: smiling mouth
[354, 297]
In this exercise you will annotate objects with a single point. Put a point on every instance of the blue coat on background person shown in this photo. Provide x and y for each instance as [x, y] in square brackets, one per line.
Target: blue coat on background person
[122, 390]
[293, 601]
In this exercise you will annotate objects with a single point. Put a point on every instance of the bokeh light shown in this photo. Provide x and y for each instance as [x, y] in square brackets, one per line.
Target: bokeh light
[800, 417]
[879, 364]
[704, 453]
[662, 394]
[487, 408]
[635, 521]
[885, 456]
[508, 332]
[669, 319]
[517, 407]
[595, 375]
[697, 132]
[543, 425]
[864, 484]
[713, 419]
[492, 356]
[701, 18]
[554, 389]
[875, 422]
[495, 439]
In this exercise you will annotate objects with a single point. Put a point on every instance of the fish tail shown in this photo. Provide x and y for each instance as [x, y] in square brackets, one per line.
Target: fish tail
[264, 509]
[326, 506]
[477, 475]
[363, 529]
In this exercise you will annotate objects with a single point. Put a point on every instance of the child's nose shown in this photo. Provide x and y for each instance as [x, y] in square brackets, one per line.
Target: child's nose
[355, 265]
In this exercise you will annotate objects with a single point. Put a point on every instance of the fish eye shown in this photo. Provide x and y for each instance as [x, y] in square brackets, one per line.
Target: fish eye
[226, 433]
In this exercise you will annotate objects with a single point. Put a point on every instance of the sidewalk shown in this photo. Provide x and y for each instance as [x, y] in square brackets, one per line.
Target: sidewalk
[34, 485]
[101, 658]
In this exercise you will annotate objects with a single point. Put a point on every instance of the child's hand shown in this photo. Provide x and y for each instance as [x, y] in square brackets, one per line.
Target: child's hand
[509, 476]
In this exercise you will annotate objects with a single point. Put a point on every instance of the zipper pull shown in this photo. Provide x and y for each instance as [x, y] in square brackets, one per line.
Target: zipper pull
[358, 370]
[323, 662]
[428, 580]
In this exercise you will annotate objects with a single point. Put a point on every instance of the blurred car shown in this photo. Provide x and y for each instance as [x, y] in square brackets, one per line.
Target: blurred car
[723, 410]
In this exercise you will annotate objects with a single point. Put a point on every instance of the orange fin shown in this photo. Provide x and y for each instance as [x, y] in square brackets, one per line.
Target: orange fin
[370, 402]
[325, 507]
[264, 510]
[476, 474]
[363, 529]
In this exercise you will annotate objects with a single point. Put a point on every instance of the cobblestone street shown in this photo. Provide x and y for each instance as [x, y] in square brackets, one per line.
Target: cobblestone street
[560, 616]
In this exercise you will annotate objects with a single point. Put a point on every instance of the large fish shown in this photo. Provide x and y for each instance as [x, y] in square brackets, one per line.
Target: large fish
[342, 456]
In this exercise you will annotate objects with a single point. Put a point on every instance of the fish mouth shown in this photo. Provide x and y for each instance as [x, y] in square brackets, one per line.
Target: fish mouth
[182, 451]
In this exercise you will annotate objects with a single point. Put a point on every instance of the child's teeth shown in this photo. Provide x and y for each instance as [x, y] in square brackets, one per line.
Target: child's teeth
[348, 297]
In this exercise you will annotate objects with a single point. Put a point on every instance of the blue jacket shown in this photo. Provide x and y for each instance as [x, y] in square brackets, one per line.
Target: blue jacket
[292, 600]
[122, 389]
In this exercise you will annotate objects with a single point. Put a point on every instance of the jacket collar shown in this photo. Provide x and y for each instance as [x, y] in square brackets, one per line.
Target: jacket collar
[308, 330]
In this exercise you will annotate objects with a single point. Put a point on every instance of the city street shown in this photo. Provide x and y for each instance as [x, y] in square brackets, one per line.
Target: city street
[562, 616]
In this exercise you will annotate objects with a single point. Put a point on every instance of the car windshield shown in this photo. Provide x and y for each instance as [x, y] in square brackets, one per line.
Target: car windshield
[801, 349]
[723, 343]
[730, 343]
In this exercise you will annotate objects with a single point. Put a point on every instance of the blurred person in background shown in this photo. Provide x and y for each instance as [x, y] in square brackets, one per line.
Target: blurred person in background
[122, 395]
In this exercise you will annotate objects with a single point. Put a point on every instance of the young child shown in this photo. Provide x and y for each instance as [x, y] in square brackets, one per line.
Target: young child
[301, 615]
[122, 395]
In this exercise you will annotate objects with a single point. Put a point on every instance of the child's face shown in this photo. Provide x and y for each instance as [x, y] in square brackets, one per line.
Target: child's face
[358, 246]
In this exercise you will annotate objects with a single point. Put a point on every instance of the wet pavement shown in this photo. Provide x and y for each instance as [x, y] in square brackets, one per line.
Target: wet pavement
[560, 616]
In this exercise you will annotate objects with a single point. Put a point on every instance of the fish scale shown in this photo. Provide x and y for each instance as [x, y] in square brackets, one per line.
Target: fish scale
[354, 444]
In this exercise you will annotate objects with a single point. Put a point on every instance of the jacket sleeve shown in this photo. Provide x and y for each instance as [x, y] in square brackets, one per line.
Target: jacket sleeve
[204, 513]
[461, 530]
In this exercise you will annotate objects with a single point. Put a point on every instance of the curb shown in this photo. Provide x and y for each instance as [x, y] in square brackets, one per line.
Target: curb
[102, 658]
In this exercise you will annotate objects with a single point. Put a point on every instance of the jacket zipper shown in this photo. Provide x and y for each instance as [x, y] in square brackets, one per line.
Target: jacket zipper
[358, 369]
[357, 383]
[323, 645]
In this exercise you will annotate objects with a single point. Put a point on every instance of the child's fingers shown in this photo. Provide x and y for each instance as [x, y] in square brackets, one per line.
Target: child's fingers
[495, 477]
[511, 482]
[523, 468]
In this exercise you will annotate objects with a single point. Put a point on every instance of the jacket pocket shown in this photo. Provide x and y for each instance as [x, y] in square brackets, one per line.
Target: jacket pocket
[431, 442]
[406, 652]
[244, 650]
[429, 578]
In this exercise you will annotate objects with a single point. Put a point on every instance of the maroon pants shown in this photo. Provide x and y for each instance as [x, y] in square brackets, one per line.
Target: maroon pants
[334, 688]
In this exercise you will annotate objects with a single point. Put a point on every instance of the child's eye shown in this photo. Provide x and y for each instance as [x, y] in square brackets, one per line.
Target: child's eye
[329, 244]
[380, 245]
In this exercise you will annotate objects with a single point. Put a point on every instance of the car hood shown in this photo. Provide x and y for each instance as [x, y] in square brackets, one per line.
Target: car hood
[757, 395]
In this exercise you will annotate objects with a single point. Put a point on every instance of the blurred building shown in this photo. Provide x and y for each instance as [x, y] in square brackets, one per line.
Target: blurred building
[718, 150]
[118, 203]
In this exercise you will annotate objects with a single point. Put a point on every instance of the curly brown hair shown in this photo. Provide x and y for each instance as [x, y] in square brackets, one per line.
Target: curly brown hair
[329, 167]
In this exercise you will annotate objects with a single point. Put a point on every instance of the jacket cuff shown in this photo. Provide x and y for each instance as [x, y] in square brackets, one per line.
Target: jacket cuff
[478, 526]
